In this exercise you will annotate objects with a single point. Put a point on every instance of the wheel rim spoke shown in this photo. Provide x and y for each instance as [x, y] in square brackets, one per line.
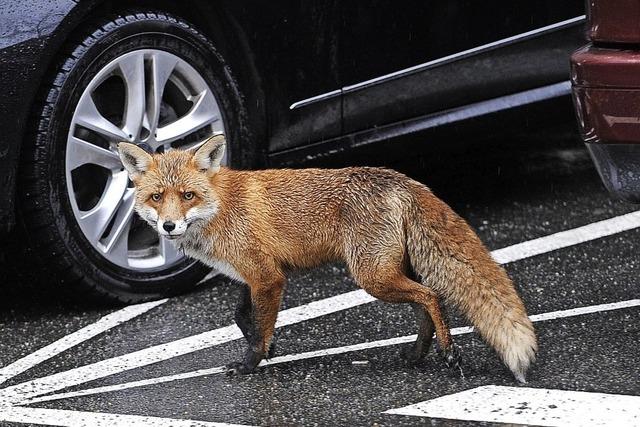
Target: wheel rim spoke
[87, 115]
[169, 251]
[117, 242]
[95, 222]
[162, 67]
[204, 112]
[82, 152]
[119, 251]
[132, 68]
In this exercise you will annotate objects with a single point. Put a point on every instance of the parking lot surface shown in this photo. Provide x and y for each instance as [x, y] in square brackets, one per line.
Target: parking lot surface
[535, 201]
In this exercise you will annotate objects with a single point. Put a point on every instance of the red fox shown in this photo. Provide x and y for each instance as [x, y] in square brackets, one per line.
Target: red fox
[400, 242]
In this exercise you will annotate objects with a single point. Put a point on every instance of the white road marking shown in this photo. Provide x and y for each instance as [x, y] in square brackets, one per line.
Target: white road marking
[158, 353]
[103, 324]
[530, 406]
[124, 386]
[568, 238]
[61, 417]
[578, 311]
[325, 352]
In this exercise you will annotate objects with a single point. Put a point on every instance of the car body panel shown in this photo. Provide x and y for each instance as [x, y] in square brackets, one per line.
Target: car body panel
[608, 116]
[596, 66]
[606, 91]
[614, 21]
[490, 72]
[295, 49]
[453, 53]
[519, 111]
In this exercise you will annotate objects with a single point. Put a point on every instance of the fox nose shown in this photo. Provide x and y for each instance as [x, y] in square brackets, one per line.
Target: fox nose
[169, 226]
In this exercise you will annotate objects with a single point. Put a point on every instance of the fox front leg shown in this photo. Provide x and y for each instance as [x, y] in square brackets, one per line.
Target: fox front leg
[244, 316]
[245, 319]
[265, 302]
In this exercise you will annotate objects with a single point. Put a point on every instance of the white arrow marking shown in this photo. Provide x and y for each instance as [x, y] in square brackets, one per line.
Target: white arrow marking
[521, 405]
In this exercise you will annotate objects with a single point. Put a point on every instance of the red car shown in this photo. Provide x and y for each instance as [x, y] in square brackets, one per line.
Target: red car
[605, 75]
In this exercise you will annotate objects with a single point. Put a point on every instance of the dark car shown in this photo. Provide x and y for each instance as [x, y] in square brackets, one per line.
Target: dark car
[285, 81]
[606, 89]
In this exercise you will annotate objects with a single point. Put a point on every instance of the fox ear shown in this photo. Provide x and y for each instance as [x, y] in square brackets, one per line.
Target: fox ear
[209, 155]
[134, 159]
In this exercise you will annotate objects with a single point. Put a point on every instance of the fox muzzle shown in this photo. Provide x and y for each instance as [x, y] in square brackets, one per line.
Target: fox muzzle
[171, 228]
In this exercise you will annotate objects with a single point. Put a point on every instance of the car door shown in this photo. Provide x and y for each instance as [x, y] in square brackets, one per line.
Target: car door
[294, 44]
[403, 59]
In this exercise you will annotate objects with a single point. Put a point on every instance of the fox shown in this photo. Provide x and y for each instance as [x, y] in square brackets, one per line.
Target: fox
[400, 242]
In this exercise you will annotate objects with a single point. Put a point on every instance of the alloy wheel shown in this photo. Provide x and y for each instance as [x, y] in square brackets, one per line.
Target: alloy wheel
[146, 96]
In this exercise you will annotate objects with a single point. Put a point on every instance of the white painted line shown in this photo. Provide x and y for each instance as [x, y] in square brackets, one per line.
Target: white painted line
[61, 417]
[584, 310]
[325, 352]
[114, 365]
[568, 238]
[530, 406]
[454, 331]
[124, 386]
[158, 353]
[221, 369]
[103, 324]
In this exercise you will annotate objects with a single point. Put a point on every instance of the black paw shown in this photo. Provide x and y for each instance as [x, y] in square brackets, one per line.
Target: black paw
[238, 368]
[452, 357]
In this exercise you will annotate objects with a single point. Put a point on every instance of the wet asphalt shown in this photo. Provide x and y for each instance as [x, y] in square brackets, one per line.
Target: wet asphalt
[514, 189]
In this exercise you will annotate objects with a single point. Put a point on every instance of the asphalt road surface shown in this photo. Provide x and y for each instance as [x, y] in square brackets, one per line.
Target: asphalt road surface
[536, 201]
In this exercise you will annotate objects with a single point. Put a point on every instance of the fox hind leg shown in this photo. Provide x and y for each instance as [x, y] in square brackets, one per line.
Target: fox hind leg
[422, 344]
[397, 287]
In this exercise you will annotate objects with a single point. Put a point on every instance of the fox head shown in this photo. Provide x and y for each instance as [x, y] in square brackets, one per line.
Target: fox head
[173, 189]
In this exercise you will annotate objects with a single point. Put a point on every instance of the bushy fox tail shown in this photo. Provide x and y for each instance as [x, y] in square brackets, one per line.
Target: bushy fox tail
[449, 258]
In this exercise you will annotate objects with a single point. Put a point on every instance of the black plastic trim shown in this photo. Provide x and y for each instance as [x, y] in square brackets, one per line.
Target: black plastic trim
[420, 124]
[619, 168]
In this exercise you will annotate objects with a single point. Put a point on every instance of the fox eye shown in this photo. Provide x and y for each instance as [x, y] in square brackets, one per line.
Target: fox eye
[156, 197]
[188, 195]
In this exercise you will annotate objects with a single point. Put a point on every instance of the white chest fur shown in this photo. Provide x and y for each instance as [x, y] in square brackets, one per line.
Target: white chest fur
[225, 268]
[199, 248]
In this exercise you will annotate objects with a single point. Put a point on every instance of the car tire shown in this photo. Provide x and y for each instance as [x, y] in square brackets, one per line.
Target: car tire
[48, 187]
